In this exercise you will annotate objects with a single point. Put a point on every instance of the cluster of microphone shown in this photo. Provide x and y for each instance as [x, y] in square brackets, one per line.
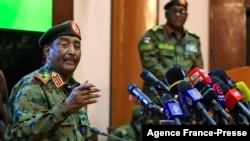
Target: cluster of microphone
[198, 97]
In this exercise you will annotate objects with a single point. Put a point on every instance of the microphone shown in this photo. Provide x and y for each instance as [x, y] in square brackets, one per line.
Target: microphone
[218, 90]
[244, 90]
[156, 94]
[173, 77]
[221, 73]
[98, 131]
[210, 98]
[143, 98]
[233, 100]
[152, 80]
[172, 109]
[198, 75]
[192, 97]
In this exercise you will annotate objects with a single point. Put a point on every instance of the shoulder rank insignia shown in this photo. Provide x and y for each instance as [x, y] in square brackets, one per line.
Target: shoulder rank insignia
[57, 79]
[156, 27]
[43, 78]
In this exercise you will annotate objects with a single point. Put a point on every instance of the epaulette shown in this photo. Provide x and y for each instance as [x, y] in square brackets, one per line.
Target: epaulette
[43, 78]
[156, 27]
[193, 34]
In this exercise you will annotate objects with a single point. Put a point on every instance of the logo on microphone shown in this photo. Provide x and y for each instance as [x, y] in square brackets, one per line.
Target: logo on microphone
[192, 96]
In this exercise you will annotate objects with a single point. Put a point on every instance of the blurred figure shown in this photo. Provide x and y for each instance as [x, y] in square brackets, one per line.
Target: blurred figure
[168, 45]
[132, 130]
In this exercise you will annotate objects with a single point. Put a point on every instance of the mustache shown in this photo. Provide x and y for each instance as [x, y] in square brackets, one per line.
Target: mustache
[73, 58]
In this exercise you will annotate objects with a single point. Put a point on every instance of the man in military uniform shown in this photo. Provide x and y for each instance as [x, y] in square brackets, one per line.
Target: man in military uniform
[132, 130]
[49, 104]
[165, 46]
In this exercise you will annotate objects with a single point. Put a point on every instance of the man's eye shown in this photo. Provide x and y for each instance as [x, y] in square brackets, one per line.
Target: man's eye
[64, 45]
[175, 11]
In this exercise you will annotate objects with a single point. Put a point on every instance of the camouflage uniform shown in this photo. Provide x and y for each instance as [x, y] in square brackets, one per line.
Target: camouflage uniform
[160, 50]
[39, 112]
[129, 132]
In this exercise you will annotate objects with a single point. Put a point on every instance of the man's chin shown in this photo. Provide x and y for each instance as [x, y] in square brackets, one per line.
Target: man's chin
[70, 69]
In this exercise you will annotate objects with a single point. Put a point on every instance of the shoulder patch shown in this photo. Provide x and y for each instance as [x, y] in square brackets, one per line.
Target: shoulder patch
[193, 34]
[43, 78]
[156, 27]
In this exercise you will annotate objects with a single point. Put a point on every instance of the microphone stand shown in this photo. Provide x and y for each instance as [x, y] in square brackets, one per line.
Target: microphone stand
[99, 132]
[115, 137]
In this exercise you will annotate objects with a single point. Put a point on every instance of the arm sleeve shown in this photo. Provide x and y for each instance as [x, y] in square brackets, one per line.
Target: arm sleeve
[149, 55]
[31, 114]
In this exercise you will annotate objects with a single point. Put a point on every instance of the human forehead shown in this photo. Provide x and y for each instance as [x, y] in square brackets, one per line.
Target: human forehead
[68, 38]
[178, 7]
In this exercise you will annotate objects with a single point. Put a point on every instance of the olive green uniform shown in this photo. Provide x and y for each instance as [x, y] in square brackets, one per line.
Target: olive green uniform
[126, 132]
[129, 131]
[39, 113]
[160, 50]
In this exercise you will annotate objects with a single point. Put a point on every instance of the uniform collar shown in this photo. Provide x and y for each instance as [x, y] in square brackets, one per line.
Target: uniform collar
[47, 74]
[170, 31]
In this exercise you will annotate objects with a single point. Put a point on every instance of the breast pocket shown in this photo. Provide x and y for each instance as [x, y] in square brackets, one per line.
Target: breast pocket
[166, 54]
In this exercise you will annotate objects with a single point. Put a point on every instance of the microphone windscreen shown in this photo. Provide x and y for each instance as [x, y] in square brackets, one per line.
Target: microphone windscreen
[219, 72]
[167, 98]
[174, 74]
[200, 85]
[144, 74]
[215, 79]
[134, 100]
[224, 87]
[244, 90]
[183, 87]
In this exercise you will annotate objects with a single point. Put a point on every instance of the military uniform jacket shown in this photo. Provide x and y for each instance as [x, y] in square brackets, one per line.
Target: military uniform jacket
[39, 113]
[160, 50]
[126, 132]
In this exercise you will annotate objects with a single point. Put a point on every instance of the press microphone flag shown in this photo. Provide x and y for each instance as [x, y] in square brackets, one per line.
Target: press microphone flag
[172, 109]
[192, 97]
[198, 75]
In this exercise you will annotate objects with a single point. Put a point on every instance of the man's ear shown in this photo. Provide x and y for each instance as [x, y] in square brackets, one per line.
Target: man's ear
[46, 49]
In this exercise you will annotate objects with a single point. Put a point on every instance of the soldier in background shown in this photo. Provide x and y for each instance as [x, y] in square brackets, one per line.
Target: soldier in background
[168, 45]
[131, 131]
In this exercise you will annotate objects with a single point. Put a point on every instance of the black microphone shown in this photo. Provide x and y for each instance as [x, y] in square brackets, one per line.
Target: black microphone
[210, 100]
[156, 94]
[98, 131]
[172, 109]
[152, 80]
[217, 88]
[173, 77]
[143, 98]
[192, 97]
[221, 73]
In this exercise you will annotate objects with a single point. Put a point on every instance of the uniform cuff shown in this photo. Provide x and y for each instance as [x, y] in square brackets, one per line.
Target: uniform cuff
[60, 112]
